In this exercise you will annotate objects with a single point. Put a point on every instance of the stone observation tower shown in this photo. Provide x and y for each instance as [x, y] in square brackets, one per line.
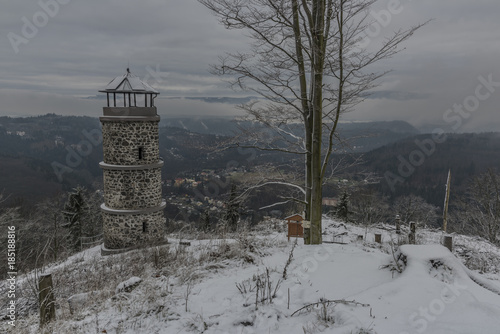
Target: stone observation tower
[133, 206]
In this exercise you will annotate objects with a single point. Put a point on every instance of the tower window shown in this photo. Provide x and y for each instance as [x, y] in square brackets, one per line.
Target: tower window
[144, 227]
[141, 153]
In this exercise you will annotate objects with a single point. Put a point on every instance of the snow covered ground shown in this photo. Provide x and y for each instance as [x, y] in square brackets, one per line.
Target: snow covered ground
[240, 285]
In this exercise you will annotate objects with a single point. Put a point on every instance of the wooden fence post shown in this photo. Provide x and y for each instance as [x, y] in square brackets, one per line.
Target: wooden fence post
[412, 234]
[448, 242]
[46, 299]
[398, 224]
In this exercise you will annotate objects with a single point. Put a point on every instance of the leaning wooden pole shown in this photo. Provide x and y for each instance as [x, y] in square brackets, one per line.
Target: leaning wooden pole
[446, 201]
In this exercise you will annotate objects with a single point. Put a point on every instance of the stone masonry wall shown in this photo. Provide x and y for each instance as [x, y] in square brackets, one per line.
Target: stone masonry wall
[123, 231]
[122, 139]
[132, 189]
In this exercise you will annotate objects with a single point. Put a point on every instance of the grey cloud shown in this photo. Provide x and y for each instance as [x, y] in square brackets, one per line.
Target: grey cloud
[90, 42]
[395, 95]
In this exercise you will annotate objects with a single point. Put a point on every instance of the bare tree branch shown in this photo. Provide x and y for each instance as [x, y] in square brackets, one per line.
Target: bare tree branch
[305, 61]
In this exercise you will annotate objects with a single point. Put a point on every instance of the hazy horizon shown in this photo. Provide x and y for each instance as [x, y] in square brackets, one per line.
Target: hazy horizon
[55, 54]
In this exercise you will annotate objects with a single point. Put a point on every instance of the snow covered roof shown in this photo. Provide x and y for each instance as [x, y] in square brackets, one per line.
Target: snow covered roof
[296, 217]
[128, 83]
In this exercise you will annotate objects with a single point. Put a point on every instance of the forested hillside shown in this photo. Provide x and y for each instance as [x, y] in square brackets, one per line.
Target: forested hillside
[41, 156]
[409, 167]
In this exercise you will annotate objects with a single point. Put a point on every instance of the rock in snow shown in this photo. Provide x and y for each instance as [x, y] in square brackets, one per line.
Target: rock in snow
[128, 285]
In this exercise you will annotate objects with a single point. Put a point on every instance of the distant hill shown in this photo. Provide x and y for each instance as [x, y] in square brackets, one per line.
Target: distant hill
[225, 126]
[228, 100]
[40, 156]
[362, 136]
[367, 136]
[33, 146]
[34, 150]
[465, 154]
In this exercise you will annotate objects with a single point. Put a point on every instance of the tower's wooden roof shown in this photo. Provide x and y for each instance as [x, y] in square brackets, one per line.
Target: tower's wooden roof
[128, 83]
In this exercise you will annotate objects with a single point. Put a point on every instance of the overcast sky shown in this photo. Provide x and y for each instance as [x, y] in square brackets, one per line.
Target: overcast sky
[80, 45]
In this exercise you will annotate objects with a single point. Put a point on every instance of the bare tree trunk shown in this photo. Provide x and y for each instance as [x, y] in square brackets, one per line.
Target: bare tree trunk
[318, 24]
[306, 110]
[308, 183]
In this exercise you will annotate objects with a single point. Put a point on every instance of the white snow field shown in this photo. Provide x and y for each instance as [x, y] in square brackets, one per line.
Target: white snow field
[231, 286]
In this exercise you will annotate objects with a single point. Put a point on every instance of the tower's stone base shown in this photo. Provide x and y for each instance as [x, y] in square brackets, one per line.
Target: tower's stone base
[123, 231]
[106, 251]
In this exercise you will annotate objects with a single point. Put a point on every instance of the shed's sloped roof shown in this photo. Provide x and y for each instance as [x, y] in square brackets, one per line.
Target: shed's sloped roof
[298, 216]
[128, 83]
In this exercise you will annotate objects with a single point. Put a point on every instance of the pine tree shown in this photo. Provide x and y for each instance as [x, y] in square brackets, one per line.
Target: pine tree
[205, 221]
[342, 209]
[74, 212]
[232, 214]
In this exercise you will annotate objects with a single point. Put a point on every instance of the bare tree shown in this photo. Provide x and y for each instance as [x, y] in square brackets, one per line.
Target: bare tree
[3, 198]
[415, 208]
[50, 220]
[481, 209]
[307, 63]
[40, 236]
[369, 207]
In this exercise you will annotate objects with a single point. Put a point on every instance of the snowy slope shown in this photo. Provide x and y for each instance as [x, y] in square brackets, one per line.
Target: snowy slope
[346, 287]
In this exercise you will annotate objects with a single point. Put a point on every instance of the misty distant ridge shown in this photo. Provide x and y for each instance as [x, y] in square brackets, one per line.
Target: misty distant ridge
[208, 99]
[423, 125]
[447, 128]
[363, 136]
[216, 99]
[30, 145]
[195, 123]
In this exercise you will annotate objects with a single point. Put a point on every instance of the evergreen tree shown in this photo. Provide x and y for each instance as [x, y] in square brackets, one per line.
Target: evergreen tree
[342, 208]
[74, 212]
[232, 214]
[205, 220]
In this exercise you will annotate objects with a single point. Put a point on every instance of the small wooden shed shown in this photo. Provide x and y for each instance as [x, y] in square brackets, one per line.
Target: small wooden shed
[295, 228]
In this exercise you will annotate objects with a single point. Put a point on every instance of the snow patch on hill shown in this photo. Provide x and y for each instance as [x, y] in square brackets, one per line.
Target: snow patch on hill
[258, 282]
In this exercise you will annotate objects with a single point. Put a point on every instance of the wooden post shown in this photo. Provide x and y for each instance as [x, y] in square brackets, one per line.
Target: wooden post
[412, 234]
[46, 299]
[378, 238]
[448, 242]
[398, 224]
[446, 201]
